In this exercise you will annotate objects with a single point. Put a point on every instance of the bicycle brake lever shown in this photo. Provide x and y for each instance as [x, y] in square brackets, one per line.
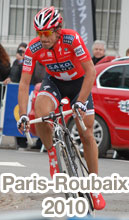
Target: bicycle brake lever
[80, 120]
[29, 139]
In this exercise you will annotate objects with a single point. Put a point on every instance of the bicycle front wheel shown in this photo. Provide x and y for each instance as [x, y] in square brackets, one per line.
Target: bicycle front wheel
[71, 163]
[82, 171]
[64, 162]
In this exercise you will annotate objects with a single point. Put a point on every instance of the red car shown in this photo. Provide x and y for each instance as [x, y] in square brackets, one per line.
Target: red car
[111, 102]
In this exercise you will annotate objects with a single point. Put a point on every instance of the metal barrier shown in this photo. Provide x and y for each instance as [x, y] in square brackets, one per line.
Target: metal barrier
[9, 111]
[3, 92]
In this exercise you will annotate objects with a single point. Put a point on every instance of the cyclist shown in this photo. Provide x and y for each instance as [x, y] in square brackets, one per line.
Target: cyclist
[71, 73]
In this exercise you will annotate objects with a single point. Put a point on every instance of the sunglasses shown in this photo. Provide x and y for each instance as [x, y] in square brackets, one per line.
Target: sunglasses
[46, 33]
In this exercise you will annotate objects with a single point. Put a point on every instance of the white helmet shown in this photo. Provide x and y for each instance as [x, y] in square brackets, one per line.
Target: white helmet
[47, 18]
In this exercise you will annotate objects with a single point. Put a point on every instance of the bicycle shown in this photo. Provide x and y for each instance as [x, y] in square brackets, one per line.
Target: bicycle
[68, 156]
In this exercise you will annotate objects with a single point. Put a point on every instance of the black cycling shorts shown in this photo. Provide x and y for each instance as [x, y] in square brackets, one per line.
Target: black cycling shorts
[58, 89]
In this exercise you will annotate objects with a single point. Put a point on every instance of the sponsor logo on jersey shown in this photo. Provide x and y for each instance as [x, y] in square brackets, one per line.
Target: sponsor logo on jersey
[68, 39]
[26, 69]
[49, 54]
[78, 38]
[27, 60]
[60, 67]
[60, 50]
[42, 55]
[46, 87]
[35, 47]
[66, 76]
[79, 51]
[66, 49]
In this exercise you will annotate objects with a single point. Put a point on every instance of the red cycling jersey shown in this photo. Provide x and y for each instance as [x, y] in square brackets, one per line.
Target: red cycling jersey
[63, 61]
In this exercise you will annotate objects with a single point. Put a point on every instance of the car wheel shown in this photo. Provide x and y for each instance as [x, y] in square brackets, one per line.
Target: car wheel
[101, 135]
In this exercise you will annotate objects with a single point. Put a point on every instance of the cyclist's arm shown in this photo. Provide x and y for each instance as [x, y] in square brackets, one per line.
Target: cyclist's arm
[23, 93]
[88, 82]
[83, 56]
[27, 70]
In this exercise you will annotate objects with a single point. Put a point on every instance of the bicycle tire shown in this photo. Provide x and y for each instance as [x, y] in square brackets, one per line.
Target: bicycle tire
[67, 152]
[64, 163]
[85, 173]
[81, 170]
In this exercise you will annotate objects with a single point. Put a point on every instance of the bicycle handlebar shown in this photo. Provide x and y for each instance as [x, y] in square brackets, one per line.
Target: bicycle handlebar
[52, 115]
[42, 119]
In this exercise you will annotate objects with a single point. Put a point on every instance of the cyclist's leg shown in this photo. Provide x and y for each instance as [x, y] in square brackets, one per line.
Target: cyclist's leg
[90, 149]
[89, 144]
[91, 156]
[45, 103]
[87, 137]
[44, 130]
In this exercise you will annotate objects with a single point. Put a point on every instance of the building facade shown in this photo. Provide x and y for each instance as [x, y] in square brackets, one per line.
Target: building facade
[111, 18]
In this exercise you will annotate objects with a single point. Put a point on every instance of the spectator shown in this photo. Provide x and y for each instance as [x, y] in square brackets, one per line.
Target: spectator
[127, 52]
[16, 69]
[98, 50]
[4, 66]
[14, 76]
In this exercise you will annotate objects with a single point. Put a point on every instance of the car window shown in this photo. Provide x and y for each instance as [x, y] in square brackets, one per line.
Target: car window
[113, 77]
[126, 78]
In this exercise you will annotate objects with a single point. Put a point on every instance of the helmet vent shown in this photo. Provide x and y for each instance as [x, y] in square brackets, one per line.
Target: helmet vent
[47, 18]
[40, 19]
[55, 18]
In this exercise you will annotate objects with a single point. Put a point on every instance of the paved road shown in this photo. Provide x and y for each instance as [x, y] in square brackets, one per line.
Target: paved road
[27, 162]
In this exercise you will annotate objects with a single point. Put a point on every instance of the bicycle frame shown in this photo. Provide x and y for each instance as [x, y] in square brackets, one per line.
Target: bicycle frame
[68, 139]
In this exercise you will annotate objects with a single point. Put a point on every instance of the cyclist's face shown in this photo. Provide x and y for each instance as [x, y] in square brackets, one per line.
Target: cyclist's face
[48, 38]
